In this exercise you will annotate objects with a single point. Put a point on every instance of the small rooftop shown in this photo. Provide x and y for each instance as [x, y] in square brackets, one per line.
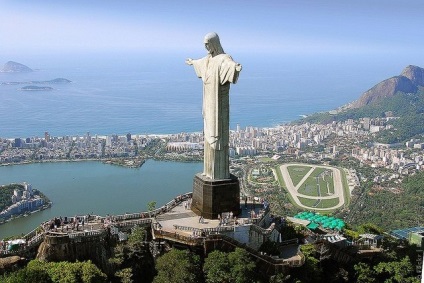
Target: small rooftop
[403, 233]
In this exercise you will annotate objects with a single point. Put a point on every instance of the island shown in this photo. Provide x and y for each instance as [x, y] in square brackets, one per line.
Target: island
[14, 67]
[54, 81]
[36, 88]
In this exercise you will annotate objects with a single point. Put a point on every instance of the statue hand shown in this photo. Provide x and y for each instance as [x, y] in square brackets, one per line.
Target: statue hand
[189, 61]
[238, 67]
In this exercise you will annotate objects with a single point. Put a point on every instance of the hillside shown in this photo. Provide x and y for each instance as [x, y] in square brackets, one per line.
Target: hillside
[408, 81]
[401, 96]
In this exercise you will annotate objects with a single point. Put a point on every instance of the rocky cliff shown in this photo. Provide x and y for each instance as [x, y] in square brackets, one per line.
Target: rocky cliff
[14, 67]
[408, 81]
[60, 247]
[11, 263]
[415, 74]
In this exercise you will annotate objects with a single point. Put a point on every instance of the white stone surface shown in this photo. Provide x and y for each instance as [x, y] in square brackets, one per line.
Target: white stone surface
[217, 70]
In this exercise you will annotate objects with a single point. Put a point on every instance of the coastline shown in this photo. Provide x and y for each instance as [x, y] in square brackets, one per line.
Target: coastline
[27, 213]
[135, 162]
[103, 160]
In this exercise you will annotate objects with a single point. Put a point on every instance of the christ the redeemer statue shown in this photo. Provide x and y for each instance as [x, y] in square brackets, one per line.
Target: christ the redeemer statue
[217, 70]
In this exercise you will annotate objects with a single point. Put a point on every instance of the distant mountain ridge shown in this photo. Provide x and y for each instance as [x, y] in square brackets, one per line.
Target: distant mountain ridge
[408, 82]
[14, 67]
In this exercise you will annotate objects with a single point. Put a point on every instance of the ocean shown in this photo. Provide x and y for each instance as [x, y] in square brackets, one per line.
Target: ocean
[139, 93]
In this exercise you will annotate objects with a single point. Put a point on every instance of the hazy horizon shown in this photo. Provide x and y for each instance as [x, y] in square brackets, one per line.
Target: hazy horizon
[273, 27]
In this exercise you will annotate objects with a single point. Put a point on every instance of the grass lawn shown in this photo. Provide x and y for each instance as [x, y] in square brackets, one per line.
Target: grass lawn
[314, 203]
[316, 180]
[327, 203]
[297, 173]
[308, 202]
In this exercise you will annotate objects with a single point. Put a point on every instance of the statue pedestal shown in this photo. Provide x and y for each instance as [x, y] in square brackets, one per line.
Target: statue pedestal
[212, 197]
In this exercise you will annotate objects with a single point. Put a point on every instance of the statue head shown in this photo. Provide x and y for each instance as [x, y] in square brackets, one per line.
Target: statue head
[212, 44]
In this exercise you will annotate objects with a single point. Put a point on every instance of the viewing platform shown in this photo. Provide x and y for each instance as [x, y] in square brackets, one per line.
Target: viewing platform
[174, 223]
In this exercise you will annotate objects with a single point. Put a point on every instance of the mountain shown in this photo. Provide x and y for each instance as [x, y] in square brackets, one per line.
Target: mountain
[407, 82]
[400, 96]
[14, 67]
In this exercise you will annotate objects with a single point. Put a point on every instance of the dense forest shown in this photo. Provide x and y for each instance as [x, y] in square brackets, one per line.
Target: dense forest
[52, 272]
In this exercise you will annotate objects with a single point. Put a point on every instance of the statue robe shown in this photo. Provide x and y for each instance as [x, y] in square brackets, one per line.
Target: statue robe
[216, 73]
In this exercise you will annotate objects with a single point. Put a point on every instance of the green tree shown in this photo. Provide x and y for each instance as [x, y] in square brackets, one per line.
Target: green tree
[138, 235]
[57, 272]
[364, 273]
[396, 271]
[90, 273]
[280, 278]
[132, 261]
[6, 193]
[125, 275]
[178, 266]
[64, 272]
[370, 228]
[311, 271]
[236, 267]
[217, 267]
[34, 272]
[242, 266]
[151, 205]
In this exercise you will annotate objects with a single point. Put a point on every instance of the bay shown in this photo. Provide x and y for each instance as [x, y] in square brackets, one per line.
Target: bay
[90, 187]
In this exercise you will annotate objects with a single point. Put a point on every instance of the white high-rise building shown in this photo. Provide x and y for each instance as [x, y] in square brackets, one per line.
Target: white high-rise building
[28, 187]
[108, 141]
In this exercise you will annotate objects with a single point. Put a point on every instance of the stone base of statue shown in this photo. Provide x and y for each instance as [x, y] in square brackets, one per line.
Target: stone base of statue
[213, 197]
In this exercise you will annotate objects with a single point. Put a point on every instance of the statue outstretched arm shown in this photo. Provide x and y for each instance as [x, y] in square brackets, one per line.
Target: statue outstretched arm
[189, 61]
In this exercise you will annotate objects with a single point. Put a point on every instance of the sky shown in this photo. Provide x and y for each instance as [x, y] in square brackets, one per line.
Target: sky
[254, 27]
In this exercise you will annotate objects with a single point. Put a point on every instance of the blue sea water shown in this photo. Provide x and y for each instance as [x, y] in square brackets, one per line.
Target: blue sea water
[158, 93]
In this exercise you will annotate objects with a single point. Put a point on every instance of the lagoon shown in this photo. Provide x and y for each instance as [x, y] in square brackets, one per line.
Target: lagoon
[91, 187]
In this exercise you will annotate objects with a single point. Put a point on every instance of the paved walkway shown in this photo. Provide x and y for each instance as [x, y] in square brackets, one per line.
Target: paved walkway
[185, 217]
